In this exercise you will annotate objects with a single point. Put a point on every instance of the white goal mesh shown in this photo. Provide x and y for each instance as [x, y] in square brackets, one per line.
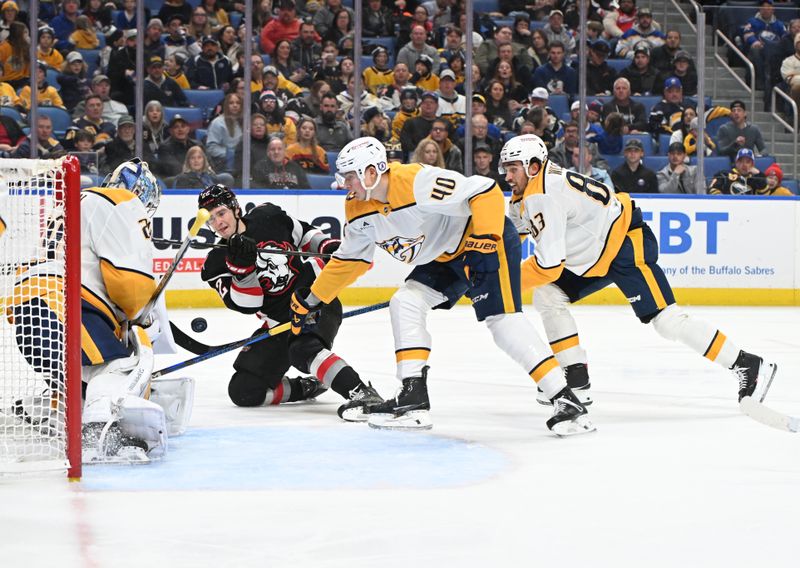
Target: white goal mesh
[36, 205]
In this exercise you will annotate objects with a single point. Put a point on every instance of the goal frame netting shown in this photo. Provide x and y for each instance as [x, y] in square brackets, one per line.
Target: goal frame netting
[56, 184]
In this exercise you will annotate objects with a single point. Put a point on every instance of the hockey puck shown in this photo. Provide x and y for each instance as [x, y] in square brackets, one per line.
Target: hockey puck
[199, 325]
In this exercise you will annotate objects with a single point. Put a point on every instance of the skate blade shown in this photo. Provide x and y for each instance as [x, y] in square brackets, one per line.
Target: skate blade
[584, 397]
[355, 414]
[766, 374]
[581, 425]
[767, 416]
[413, 420]
[125, 456]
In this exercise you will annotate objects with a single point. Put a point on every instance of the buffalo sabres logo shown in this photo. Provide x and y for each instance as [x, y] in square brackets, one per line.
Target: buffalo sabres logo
[403, 248]
[275, 271]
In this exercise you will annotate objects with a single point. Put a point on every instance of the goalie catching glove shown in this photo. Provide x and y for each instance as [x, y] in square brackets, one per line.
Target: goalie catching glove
[304, 306]
[241, 257]
[480, 256]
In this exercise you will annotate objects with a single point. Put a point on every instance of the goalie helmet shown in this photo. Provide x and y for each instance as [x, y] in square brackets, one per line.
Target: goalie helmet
[524, 148]
[135, 176]
[357, 156]
[216, 195]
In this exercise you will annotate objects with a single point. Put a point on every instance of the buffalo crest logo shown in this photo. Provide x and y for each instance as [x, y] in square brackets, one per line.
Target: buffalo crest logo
[275, 270]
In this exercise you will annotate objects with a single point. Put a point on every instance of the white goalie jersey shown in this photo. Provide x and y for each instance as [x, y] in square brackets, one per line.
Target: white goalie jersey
[576, 222]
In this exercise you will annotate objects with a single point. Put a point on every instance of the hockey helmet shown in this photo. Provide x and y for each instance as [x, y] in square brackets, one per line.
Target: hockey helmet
[524, 148]
[135, 176]
[357, 156]
[217, 195]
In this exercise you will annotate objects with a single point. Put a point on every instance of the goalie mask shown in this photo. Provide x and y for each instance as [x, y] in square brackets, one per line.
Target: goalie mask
[135, 176]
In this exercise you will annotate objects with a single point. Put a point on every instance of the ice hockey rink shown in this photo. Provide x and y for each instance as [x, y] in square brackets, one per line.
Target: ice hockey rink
[674, 476]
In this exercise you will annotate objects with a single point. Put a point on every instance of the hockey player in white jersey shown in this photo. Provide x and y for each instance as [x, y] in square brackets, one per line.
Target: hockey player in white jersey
[454, 232]
[588, 237]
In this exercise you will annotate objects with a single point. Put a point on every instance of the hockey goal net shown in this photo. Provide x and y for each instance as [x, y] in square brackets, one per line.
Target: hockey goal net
[40, 327]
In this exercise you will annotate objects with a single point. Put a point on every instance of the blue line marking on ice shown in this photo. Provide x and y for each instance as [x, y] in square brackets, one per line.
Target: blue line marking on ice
[281, 458]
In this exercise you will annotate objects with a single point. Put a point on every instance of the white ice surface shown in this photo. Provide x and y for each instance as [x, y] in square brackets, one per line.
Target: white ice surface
[675, 476]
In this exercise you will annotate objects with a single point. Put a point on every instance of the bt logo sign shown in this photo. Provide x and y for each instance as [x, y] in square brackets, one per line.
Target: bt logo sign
[675, 233]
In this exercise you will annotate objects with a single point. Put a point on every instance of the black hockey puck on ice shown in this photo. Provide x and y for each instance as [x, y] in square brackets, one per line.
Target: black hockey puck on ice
[199, 325]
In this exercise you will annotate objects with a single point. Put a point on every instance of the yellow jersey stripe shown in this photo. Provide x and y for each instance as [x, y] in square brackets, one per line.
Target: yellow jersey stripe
[505, 280]
[412, 354]
[89, 347]
[614, 239]
[638, 259]
[98, 303]
[565, 343]
[715, 346]
[2, 226]
[112, 194]
[129, 289]
[488, 212]
[544, 367]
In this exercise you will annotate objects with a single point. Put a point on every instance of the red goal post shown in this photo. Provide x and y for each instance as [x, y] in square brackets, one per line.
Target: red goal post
[40, 327]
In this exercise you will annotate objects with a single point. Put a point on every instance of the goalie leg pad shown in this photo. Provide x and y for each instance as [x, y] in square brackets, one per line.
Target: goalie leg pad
[144, 420]
[176, 397]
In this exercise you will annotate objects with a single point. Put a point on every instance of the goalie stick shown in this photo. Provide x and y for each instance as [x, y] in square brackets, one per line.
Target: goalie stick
[214, 351]
[768, 416]
[261, 250]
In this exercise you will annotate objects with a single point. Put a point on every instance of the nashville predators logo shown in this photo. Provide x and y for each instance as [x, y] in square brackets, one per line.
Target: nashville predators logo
[403, 248]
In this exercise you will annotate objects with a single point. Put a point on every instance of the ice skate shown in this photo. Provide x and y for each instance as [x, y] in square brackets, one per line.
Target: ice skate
[569, 415]
[755, 376]
[577, 377]
[113, 447]
[360, 397]
[408, 410]
[310, 387]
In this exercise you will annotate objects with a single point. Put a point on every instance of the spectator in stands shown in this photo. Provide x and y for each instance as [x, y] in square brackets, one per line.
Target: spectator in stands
[8, 96]
[368, 100]
[229, 44]
[327, 67]
[423, 76]
[9, 13]
[633, 112]
[217, 15]
[74, 80]
[665, 115]
[683, 69]
[47, 146]
[452, 106]
[420, 17]
[306, 49]
[738, 133]
[99, 14]
[277, 122]
[536, 121]
[600, 76]
[93, 121]
[378, 77]
[690, 140]
[417, 128]
[276, 171]
[597, 174]
[114, 41]
[456, 63]
[209, 69]
[324, 17]
[411, 52]
[376, 124]
[677, 176]
[259, 139]
[159, 87]
[332, 133]
[89, 159]
[224, 133]
[681, 129]
[539, 49]
[787, 47]
[306, 151]
[555, 30]
[609, 138]
[283, 62]
[482, 165]
[440, 12]
[644, 30]
[46, 52]
[173, 69]
[285, 26]
[46, 93]
[197, 172]
[342, 26]
[377, 20]
[154, 130]
[84, 36]
[125, 19]
[561, 153]
[122, 147]
[451, 154]
[480, 135]
[498, 111]
[517, 73]
[488, 51]
[64, 24]
[274, 81]
[618, 21]
[172, 153]
[198, 26]
[743, 179]
[153, 43]
[427, 153]
[632, 176]
[774, 175]
[121, 69]
[452, 45]
[640, 74]
[663, 56]
[344, 72]
[112, 110]
[759, 38]
[314, 96]
[15, 56]
[178, 40]
[409, 97]
[556, 77]
[790, 71]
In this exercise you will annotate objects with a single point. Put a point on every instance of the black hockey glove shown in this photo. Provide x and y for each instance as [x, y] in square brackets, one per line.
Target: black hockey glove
[480, 256]
[241, 258]
[303, 309]
[329, 247]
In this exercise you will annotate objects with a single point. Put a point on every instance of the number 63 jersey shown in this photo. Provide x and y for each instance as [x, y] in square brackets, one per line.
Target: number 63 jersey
[576, 222]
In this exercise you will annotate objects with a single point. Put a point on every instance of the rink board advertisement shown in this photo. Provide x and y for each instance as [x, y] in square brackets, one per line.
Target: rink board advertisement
[715, 250]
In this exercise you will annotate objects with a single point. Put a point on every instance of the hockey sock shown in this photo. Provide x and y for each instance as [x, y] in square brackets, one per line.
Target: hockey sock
[559, 325]
[281, 393]
[346, 381]
[676, 325]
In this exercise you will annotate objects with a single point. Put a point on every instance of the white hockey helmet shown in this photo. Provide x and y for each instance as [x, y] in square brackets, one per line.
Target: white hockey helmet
[357, 156]
[524, 148]
[135, 176]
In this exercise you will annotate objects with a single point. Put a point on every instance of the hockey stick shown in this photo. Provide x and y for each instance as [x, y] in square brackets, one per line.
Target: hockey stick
[221, 349]
[261, 250]
[766, 415]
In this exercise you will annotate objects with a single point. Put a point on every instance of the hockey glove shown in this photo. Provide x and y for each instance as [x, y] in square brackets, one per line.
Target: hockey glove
[304, 308]
[329, 247]
[480, 256]
[241, 258]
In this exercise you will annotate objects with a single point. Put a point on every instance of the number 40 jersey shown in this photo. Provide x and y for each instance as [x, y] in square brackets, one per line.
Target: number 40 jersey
[576, 222]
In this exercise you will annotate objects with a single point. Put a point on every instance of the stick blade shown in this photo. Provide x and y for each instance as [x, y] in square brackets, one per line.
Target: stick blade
[768, 416]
